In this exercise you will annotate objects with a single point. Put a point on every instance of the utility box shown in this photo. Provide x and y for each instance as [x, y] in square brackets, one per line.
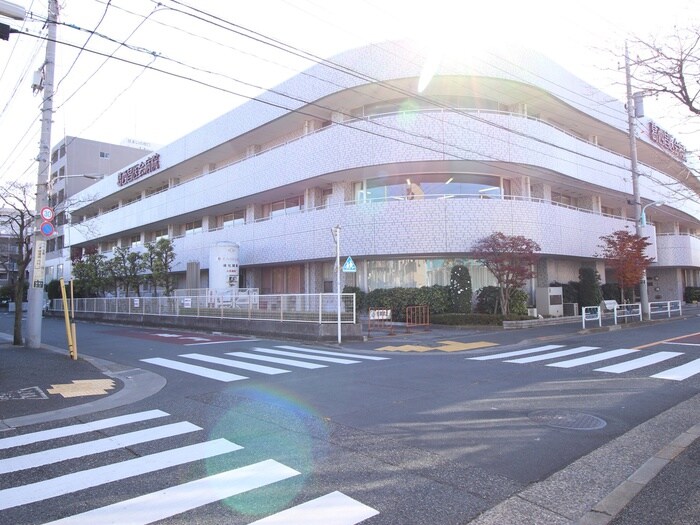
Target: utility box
[550, 301]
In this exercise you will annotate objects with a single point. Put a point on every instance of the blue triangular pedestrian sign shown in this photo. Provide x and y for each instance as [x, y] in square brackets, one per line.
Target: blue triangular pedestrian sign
[349, 265]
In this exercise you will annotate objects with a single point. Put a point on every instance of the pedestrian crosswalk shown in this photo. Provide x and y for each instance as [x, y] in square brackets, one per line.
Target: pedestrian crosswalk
[681, 367]
[172, 500]
[280, 359]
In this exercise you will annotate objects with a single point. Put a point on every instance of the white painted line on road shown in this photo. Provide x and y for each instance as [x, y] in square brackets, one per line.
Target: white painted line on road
[50, 488]
[640, 362]
[680, 373]
[47, 457]
[593, 358]
[175, 500]
[517, 352]
[194, 369]
[335, 508]
[278, 360]
[554, 355]
[268, 370]
[306, 356]
[339, 354]
[73, 430]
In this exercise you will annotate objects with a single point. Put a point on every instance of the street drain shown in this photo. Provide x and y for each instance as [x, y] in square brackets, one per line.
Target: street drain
[567, 419]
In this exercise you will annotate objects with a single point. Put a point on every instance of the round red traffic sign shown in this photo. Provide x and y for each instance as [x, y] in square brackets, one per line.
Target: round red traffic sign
[47, 213]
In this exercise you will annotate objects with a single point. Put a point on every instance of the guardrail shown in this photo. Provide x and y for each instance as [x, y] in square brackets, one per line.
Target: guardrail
[665, 307]
[302, 308]
[625, 311]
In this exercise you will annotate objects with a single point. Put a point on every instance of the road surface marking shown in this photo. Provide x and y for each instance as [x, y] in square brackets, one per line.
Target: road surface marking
[680, 372]
[339, 354]
[194, 369]
[593, 358]
[50, 488]
[516, 353]
[73, 430]
[268, 370]
[554, 355]
[171, 501]
[303, 356]
[47, 457]
[335, 508]
[279, 361]
[640, 362]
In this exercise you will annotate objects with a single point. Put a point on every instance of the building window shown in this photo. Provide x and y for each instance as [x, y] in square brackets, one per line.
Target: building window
[54, 156]
[135, 240]
[63, 150]
[237, 218]
[59, 270]
[59, 242]
[286, 206]
[160, 234]
[104, 155]
[194, 227]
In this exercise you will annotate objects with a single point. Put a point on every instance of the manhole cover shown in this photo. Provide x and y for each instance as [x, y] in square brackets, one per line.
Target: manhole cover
[567, 419]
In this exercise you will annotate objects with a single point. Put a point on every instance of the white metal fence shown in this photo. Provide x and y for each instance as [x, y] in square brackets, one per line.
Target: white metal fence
[624, 311]
[303, 308]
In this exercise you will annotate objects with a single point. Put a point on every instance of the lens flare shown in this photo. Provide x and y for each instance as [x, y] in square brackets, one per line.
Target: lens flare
[270, 423]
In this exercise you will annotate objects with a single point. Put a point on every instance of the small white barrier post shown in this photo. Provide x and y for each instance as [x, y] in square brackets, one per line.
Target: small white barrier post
[591, 313]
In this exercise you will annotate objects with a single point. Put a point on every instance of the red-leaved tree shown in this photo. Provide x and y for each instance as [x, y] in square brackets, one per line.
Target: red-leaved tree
[625, 253]
[511, 259]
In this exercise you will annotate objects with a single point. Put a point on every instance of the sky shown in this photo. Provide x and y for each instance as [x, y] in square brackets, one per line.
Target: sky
[152, 71]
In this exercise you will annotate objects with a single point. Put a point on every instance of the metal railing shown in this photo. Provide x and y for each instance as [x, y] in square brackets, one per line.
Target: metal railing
[665, 307]
[303, 308]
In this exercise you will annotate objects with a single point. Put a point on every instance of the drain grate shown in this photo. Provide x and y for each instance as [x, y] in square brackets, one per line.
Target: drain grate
[568, 419]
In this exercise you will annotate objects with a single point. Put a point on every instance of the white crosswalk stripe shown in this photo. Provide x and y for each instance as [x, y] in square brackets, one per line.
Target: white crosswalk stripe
[285, 358]
[194, 369]
[592, 358]
[515, 353]
[164, 503]
[596, 355]
[336, 508]
[640, 362]
[680, 373]
[553, 355]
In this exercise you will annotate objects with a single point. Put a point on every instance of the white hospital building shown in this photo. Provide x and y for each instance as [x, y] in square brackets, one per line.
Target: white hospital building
[413, 177]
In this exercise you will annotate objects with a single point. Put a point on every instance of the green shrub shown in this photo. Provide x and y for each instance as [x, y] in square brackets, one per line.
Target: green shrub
[691, 293]
[489, 297]
[460, 289]
[360, 297]
[590, 293]
[397, 299]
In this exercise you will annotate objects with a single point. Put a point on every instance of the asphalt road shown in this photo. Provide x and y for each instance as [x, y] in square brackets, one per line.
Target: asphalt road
[383, 433]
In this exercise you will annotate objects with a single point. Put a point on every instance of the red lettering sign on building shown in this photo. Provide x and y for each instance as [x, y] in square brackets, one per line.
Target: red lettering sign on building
[137, 171]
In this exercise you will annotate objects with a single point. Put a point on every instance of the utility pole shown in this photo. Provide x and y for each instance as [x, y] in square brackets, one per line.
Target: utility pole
[36, 278]
[643, 291]
[336, 236]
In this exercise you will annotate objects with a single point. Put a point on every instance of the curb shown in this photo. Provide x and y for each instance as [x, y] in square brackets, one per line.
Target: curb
[138, 384]
[579, 495]
[612, 504]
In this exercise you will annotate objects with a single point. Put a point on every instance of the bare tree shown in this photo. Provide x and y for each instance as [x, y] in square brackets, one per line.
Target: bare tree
[669, 66]
[17, 218]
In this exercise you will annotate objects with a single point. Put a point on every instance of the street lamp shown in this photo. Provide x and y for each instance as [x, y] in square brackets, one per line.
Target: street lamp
[643, 217]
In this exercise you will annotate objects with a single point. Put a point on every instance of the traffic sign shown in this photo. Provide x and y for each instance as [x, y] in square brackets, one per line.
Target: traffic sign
[47, 229]
[47, 214]
[349, 265]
